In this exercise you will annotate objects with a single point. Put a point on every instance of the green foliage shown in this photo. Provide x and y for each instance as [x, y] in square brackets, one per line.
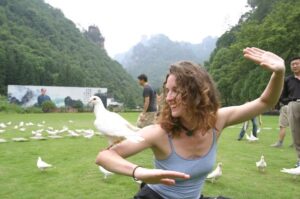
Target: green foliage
[272, 25]
[48, 106]
[39, 46]
[7, 107]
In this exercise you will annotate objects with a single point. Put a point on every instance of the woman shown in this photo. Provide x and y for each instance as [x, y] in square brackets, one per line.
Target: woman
[184, 140]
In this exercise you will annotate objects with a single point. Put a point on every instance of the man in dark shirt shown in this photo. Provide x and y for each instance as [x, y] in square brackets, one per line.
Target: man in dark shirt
[147, 117]
[291, 95]
[43, 97]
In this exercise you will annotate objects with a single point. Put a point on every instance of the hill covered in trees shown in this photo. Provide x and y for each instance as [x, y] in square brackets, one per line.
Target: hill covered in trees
[39, 46]
[154, 55]
[273, 25]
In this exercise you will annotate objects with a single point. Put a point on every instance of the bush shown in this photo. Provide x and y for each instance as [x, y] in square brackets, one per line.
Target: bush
[48, 106]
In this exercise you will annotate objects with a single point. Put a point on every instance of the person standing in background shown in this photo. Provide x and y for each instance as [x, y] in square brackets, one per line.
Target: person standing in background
[291, 95]
[147, 117]
[43, 97]
[283, 124]
[245, 127]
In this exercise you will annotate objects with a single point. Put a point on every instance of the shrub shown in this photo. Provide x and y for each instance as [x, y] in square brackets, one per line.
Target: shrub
[48, 106]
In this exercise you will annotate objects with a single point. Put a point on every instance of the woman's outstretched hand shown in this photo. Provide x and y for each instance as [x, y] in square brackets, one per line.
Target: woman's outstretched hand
[158, 176]
[268, 60]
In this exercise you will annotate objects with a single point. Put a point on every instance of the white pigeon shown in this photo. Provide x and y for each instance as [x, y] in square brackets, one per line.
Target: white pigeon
[64, 129]
[112, 125]
[251, 138]
[42, 165]
[261, 164]
[217, 173]
[89, 133]
[2, 125]
[21, 124]
[29, 124]
[52, 132]
[40, 125]
[2, 140]
[105, 172]
[19, 139]
[73, 133]
[292, 171]
[22, 129]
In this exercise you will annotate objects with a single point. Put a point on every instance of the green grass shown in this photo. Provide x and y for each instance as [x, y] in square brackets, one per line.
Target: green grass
[75, 174]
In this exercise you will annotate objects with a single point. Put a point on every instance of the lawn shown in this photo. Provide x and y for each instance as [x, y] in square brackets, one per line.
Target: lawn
[75, 174]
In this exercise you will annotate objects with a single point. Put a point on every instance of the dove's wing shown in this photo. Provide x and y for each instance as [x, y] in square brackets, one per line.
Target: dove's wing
[212, 174]
[113, 125]
[41, 164]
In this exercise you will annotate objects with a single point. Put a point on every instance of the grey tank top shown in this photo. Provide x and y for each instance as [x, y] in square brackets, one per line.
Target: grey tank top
[197, 168]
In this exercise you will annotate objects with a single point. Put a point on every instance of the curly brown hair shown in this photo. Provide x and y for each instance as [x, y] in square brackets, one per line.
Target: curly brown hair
[199, 97]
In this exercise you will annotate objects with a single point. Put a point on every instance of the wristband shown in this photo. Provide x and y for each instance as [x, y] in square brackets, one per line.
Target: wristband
[133, 176]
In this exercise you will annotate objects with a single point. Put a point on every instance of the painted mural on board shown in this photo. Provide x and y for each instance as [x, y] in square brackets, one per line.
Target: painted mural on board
[26, 95]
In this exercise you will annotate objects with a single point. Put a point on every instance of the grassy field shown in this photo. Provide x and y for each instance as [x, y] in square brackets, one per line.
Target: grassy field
[75, 174]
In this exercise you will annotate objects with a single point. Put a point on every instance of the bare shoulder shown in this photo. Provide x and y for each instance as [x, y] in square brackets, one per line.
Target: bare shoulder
[221, 115]
[153, 133]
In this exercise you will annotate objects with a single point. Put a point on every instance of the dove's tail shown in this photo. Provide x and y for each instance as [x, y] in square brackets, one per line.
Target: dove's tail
[135, 138]
[106, 172]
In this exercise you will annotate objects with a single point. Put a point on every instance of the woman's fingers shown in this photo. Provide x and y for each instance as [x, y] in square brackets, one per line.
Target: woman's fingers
[264, 58]
[174, 174]
[153, 176]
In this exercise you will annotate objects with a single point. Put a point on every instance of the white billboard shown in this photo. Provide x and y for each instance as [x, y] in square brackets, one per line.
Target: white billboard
[26, 95]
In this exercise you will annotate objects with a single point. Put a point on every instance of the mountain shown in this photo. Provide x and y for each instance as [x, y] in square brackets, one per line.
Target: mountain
[152, 56]
[40, 46]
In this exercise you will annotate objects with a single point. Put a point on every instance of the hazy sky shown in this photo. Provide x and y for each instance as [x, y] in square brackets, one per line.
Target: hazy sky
[124, 22]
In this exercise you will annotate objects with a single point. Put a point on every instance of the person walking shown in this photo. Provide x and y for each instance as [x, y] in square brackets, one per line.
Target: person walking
[147, 117]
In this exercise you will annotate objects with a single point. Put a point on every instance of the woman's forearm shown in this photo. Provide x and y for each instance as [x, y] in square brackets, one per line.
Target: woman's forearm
[272, 92]
[110, 160]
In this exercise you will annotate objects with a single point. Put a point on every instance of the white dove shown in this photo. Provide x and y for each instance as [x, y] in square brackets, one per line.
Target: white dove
[292, 171]
[112, 125]
[105, 172]
[2, 125]
[73, 133]
[217, 173]
[261, 164]
[42, 165]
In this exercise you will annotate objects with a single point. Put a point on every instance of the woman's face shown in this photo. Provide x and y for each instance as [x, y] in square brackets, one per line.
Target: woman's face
[173, 97]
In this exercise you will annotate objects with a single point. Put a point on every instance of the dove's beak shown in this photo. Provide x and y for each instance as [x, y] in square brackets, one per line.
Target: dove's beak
[90, 102]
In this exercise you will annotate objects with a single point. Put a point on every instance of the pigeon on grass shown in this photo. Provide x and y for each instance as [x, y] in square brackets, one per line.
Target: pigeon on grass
[261, 164]
[42, 165]
[214, 175]
[105, 172]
